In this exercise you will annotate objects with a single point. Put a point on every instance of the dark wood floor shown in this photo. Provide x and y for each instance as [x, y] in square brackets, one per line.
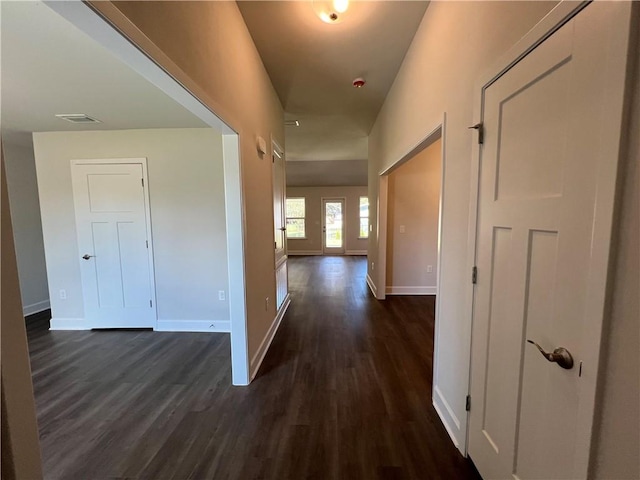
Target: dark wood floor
[344, 393]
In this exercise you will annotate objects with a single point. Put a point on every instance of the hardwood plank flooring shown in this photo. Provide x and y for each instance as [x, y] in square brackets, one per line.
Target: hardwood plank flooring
[344, 393]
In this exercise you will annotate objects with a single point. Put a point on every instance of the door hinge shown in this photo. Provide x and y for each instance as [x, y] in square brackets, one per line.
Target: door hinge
[142, 181]
[150, 303]
[480, 128]
[147, 242]
[467, 406]
[474, 275]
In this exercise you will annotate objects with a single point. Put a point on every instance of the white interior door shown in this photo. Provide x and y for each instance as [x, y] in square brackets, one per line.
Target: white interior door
[333, 223]
[545, 200]
[279, 222]
[112, 225]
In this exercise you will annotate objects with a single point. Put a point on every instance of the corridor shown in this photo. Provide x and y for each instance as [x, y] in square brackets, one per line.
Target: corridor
[344, 393]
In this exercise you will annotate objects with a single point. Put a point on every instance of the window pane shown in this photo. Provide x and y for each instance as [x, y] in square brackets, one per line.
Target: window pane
[295, 227]
[295, 207]
[364, 227]
[364, 206]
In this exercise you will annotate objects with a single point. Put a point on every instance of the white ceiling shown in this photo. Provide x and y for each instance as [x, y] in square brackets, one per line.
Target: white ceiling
[50, 67]
[312, 66]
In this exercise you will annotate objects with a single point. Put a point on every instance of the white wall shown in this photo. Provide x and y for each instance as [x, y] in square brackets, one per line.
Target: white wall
[413, 207]
[455, 43]
[187, 216]
[312, 245]
[27, 228]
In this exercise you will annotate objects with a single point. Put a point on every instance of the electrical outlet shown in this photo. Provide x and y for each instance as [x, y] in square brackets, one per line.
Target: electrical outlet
[266, 303]
[373, 266]
[63, 294]
[429, 268]
[402, 229]
[221, 295]
[371, 228]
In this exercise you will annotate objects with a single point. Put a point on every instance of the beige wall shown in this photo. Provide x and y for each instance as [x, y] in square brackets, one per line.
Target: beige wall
[20, 445]
[455, 43]
[207, 47]
[617, 434]
[412, 223]
[312, 245]
[27, 226]
[186, 193]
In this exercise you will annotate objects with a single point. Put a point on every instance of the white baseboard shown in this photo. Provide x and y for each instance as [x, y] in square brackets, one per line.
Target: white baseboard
[441, 406]
[410, 290]
[356, 252]
[221, 326]
[372, 286]
[257, 359]
[304, 252]
[36, 307]
[68, 324]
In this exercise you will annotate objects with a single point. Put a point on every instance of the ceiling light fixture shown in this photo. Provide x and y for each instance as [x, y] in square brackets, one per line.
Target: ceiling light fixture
[291, 123]
[330, 11]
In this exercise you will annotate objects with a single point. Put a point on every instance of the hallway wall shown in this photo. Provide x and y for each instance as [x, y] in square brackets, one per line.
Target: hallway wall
[455, 43]
[412, 224]
[208, 48]
[22, 184]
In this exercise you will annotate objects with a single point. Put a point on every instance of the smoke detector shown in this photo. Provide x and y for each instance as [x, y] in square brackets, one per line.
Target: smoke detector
[359, 82]
[77, 118]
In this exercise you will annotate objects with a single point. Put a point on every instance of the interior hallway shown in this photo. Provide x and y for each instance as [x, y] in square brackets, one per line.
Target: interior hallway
[344, 392]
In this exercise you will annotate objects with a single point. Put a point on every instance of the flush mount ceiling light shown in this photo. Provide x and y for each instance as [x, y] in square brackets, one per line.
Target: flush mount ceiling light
[77, 118]
[331, 11]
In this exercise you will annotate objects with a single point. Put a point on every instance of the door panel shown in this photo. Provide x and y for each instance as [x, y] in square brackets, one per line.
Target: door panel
[333, 226]
[539, 173]
[111, 220]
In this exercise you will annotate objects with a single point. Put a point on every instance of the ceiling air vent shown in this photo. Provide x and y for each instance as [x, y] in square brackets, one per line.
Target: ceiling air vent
[77, 118]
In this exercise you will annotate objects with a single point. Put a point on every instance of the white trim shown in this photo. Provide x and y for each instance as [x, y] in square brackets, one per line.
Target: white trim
[83, 16]
[303, 252]
[391, 290]
[355, 252]
[372, 286]
[68, 324]
[257, 359]
[36, 308]
[222, 326]
[447, 427]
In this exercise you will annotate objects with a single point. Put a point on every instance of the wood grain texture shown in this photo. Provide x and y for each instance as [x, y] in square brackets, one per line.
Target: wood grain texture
[343, 393]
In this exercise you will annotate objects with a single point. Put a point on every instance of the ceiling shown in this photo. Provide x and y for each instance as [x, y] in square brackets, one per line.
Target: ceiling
[312, 65]
[51, 67]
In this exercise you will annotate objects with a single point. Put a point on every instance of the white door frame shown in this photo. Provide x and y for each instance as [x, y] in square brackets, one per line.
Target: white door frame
[90, 21]
[147, 212]
[598, 285]
[344, 223]
[437, 132]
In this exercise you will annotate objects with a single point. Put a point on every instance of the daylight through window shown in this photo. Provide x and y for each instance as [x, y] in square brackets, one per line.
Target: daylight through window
[295, 212]
[364, 217]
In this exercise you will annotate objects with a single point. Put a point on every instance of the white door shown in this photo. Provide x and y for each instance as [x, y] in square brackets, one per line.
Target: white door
[542, 250]
[279, 223]
[333, 223]
[112, 224]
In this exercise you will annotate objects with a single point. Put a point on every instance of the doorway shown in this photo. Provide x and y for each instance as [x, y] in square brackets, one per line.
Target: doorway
[333, 226]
